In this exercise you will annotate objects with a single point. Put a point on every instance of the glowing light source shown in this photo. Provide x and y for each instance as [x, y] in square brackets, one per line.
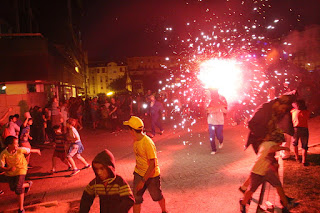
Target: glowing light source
[222, 74]
[110, 93]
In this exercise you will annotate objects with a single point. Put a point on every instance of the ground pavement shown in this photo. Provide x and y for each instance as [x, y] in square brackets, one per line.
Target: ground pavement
[193, 180]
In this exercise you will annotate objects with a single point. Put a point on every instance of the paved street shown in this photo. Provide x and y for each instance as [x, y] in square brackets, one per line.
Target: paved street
[193, 180]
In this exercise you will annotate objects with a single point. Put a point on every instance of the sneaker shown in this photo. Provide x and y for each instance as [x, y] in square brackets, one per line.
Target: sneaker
[161, 132]
[290, 200]
[220, 145]
[1, 192]
[298, 160]
[306, 164]
[52, 171]
[69, 168]
[21, 211]
[27, 189]
[76, 171]
[242, 190]
[242, 207]
[87, 166]
[291, 204]
[213, 153]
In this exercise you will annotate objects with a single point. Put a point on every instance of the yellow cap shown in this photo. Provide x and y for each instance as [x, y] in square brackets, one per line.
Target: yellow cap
[135, 123]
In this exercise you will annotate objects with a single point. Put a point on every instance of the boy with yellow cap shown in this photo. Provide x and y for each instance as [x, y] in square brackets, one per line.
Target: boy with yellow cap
[147, 171]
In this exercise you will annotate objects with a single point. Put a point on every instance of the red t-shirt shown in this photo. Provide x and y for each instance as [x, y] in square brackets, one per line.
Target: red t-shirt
[300, 118]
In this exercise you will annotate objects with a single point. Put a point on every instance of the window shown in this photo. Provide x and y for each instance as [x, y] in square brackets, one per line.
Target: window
[103, 70]
[31, 87]
[3, 89]
[100, 79]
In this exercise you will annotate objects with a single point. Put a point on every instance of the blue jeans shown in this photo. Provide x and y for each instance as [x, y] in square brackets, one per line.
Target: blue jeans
[215, 131]
[155, 122]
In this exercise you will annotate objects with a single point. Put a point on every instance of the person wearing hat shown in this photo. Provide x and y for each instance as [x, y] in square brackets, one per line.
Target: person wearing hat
[147, 171]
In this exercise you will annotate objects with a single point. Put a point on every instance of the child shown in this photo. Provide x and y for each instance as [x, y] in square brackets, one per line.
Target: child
[265, 169]
[114, 192]
[15, 165]
[147, 170]
[300, 116]
[25, 137]
[76, 147]
[59, 151]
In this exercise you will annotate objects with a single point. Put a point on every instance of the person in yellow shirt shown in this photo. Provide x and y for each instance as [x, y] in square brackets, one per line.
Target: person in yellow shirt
[15, 166]
[147, 171]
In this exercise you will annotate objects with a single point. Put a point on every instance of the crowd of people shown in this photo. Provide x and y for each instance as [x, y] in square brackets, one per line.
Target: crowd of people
[58, 123]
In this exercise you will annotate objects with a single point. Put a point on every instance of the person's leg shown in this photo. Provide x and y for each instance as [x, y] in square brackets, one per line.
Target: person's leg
[219, 133]
[73, 164]
[138, 195]
[113, 125]
[212, 137]
[282, 196]
[285, 154]
[245, 185]
[304, 145]
[295, 143]
[154, 188]
[21, 201]
[255, 181]
[159, 124]
[65, 161]
[247, 196]
[19, 190]
[85, 163]
[296, 153]
[162, 204]
[153, 124]
[73, 150]
[304, 156]
[136, 208]
[53, 164]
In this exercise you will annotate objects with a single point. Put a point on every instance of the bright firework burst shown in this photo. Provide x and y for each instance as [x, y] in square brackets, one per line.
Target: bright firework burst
[230, 49]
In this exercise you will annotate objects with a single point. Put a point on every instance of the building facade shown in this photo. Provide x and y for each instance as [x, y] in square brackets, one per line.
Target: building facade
[40, 56]
[146, 71]
[101, 74]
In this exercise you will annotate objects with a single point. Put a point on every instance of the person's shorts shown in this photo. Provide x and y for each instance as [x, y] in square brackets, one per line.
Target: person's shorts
[256, 180]
[301, 133]
[73, 150]
[152, 184]
[61, 155]
[16, 183]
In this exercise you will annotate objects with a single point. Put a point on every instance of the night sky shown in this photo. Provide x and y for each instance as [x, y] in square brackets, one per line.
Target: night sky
[115, 29]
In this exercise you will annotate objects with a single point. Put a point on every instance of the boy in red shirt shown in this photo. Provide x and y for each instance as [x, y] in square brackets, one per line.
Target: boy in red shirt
[300, 117]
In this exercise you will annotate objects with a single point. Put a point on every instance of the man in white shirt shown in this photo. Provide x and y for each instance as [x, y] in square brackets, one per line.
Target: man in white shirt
[216, 110]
